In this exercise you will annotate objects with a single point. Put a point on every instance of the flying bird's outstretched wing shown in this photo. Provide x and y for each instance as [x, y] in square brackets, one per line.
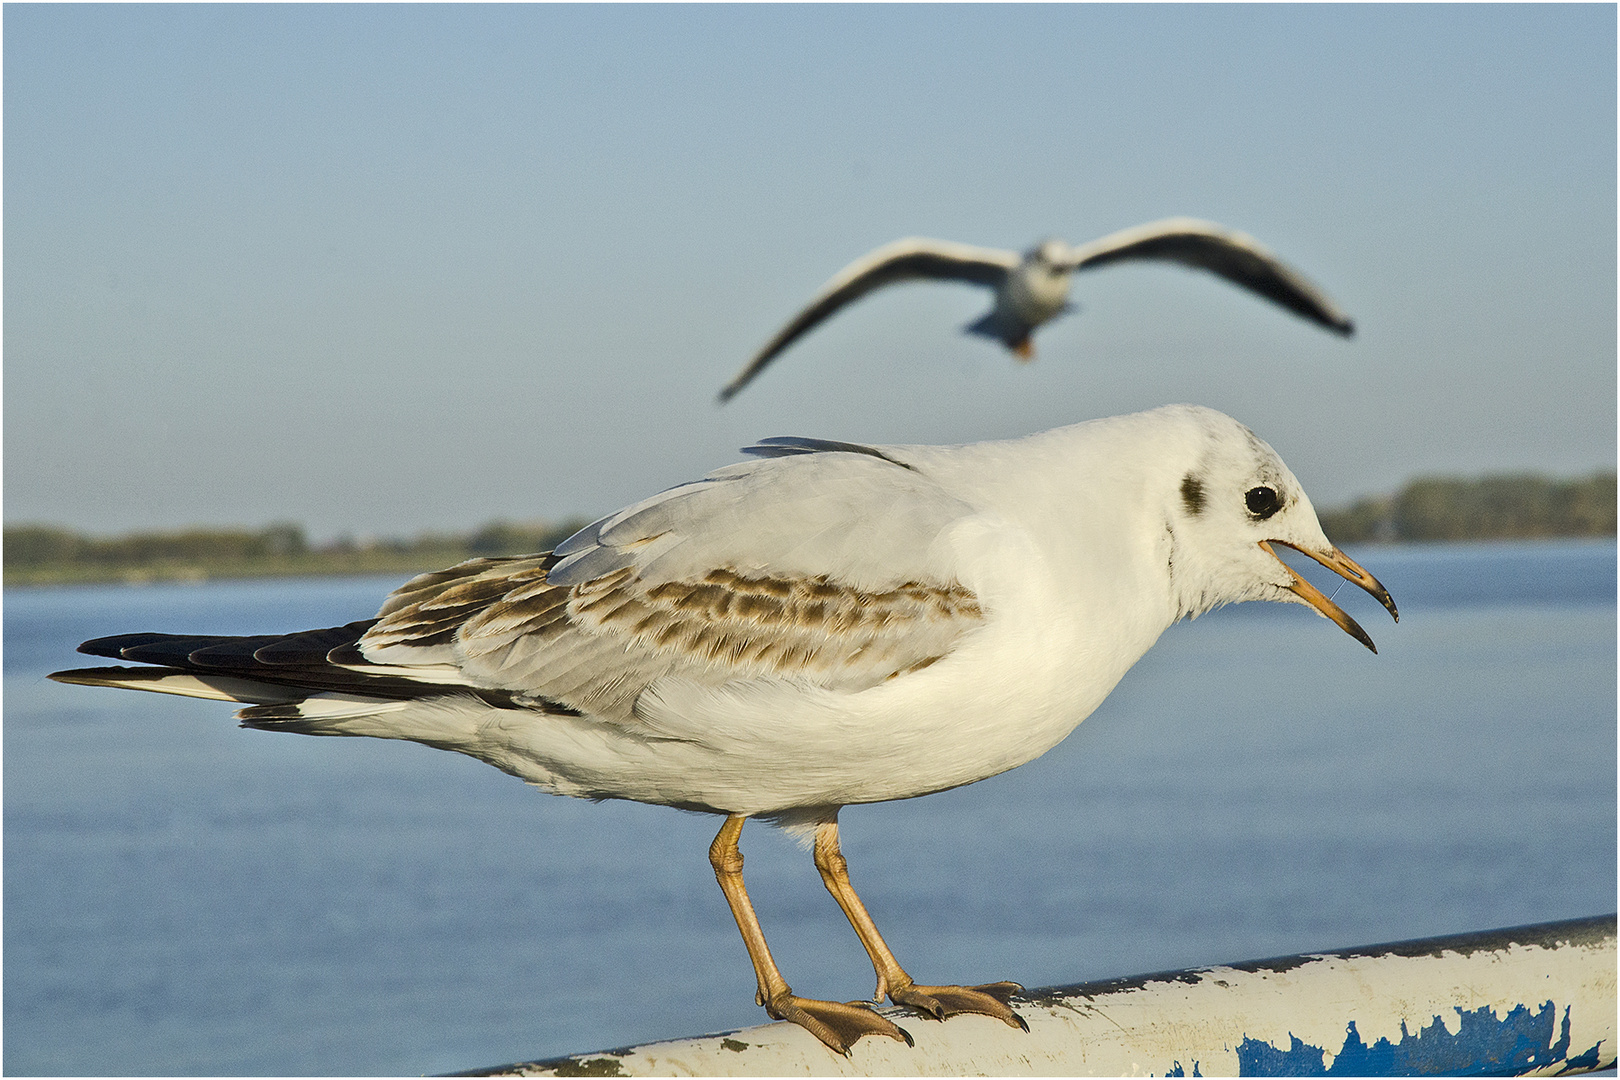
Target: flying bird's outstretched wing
[910, 259]
[1235, 256]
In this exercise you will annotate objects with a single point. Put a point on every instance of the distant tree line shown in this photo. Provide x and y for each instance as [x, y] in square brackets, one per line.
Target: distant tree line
[1488, 508]
[45, 545]
[1432, 508]
[42, 554]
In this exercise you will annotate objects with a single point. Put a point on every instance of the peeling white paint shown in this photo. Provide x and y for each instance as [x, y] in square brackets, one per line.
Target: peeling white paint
[1199, 1019]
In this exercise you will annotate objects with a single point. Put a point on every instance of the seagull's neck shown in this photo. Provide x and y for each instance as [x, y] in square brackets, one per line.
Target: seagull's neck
[1093, 507]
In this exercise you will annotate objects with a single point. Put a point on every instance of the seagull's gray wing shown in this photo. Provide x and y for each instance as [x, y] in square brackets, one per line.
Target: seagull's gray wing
[1235, 256]
[910, 259]
[820, 566]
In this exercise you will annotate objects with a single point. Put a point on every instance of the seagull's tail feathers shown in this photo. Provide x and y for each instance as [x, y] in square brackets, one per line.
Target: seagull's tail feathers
[989, 326]
[326, 714]
[1010, 332]
[310, 683]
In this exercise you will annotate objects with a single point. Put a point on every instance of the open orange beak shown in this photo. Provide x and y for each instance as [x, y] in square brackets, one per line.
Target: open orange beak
[1343, 565]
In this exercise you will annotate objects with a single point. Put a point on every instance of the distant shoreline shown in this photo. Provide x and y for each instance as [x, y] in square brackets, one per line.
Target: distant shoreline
[186, 574]
[1497, 507]
[166, 573]
[1428, 509]
[38, 555]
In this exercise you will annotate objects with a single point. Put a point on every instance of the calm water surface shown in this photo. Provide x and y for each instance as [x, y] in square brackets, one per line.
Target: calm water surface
[184, 897]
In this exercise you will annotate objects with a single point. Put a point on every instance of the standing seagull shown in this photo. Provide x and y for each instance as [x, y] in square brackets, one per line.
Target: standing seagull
[1033, 288]
[828, 624]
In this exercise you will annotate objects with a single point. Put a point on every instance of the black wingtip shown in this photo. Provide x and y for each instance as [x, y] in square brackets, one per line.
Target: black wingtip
[112, 676]
[113, 647]
[739, 382]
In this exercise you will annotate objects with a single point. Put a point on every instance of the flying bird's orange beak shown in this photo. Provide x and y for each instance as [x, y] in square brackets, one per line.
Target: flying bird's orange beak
[1343, 565]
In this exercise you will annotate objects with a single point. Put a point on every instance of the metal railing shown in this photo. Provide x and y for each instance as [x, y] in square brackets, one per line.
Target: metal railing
[1503, 1002]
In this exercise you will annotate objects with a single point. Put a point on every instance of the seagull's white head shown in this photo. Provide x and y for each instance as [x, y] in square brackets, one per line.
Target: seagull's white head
[1234, 503]
[1051, 255]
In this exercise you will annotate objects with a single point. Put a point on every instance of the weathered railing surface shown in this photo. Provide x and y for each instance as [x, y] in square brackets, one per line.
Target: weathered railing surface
[1533, 999]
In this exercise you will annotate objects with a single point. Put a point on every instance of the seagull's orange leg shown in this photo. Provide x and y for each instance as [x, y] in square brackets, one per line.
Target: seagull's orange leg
[836, 1024]
[938, 1002]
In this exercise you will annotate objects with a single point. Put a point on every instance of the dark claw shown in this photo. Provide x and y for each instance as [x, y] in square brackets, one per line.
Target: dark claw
[942, 1002]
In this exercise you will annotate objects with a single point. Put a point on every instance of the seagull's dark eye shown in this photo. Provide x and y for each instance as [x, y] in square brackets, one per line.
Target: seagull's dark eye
[1262, 501]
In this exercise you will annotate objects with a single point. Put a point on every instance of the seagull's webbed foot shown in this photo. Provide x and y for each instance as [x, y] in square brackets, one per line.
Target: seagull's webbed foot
[939, 1002]
[936, 1002]
[838, 1025]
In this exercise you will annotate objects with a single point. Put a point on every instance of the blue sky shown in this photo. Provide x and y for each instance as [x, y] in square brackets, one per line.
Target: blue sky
[382, 269]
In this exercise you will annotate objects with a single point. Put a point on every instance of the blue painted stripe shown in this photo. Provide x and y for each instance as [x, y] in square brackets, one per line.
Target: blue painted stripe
[1483, 1046]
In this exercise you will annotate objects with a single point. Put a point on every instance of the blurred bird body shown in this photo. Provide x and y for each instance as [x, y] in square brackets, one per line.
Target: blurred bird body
[1034, 292]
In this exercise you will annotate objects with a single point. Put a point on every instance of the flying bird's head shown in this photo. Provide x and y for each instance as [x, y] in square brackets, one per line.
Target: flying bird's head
[1051, 255]
[1231, 509]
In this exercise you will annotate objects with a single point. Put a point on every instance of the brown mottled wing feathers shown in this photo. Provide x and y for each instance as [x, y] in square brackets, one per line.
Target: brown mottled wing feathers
[596, 646]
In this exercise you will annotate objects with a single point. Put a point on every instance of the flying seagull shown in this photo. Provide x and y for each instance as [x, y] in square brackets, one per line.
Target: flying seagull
[827, 624]
[1033, 288]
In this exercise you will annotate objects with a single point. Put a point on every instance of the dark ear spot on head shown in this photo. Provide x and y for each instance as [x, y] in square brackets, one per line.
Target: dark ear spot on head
[1192, 493]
